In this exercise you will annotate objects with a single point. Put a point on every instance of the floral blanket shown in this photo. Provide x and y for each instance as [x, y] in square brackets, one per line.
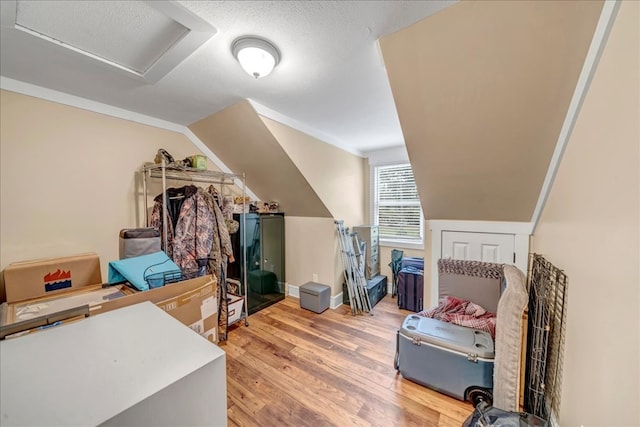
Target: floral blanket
[464, 313]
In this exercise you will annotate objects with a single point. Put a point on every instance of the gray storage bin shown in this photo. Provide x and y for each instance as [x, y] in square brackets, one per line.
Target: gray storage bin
[315, 296]
[139, 241]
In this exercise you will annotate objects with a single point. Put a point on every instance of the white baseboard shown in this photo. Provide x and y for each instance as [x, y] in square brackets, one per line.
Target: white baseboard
[334, 302]
[294, 291]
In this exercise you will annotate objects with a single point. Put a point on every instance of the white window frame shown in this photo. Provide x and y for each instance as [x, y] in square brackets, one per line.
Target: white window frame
[373, 195]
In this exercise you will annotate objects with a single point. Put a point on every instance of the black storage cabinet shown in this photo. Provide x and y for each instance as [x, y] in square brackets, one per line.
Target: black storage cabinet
[265, 258]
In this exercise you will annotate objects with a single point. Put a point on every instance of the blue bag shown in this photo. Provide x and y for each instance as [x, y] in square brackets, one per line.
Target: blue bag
[144, 271]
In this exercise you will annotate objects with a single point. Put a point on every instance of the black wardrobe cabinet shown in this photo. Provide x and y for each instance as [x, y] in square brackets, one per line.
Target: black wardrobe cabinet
[265, 258]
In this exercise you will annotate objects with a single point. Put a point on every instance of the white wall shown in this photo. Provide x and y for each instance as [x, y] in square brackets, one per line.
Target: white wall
[590, 229]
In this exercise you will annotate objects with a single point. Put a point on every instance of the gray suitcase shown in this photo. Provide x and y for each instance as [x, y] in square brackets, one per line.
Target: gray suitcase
[448, 358]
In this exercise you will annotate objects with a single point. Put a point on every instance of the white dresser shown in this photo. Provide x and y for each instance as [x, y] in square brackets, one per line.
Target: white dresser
[132, 366]
[369, 234]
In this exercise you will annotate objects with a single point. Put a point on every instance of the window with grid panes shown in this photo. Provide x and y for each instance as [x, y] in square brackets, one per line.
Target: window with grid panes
[397, 210]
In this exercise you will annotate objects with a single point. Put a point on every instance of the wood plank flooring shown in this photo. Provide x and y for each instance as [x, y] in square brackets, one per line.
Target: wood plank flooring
[293, 367]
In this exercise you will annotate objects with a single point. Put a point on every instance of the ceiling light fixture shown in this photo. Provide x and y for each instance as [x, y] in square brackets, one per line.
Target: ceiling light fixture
[257, 56]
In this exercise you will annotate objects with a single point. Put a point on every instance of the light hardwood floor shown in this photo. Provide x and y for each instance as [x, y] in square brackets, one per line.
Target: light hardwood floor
[293, 367]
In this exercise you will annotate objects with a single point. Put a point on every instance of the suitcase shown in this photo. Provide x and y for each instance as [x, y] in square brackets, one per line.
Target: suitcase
[138, 241]
[445, 357]
[410, 289]
[414, 262]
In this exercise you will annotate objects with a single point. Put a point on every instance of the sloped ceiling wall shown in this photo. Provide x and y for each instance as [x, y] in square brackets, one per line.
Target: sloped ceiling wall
[482, 90]
[335, 175]
[241, 140]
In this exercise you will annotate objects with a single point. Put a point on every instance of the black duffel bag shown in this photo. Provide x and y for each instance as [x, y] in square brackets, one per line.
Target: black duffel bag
[488, 416]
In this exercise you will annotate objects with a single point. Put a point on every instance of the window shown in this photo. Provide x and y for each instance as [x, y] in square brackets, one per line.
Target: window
[396, 205]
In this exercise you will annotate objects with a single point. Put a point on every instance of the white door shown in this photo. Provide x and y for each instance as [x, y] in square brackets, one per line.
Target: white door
[488, 247]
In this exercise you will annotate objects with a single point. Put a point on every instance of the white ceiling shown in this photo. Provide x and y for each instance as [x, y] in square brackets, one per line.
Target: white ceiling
[331, 81]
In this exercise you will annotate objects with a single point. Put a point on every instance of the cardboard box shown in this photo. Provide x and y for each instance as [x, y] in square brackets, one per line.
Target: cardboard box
[33, 279]
[193, 302]
[21, 311]
[198, 309]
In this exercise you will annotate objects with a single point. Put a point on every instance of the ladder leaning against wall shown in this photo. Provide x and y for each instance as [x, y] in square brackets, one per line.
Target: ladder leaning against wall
[353, 263]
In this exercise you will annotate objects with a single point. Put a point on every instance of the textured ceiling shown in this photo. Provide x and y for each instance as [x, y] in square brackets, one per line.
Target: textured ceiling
[331, 82]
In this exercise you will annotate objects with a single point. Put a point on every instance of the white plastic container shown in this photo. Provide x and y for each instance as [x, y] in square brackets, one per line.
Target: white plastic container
[236, 303]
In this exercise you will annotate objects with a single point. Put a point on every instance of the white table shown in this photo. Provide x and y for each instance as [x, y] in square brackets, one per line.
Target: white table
[132, 366]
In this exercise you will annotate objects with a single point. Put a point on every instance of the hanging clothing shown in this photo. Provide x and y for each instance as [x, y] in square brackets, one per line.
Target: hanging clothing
[189, 225]
[225, 238]
[197, 238]
[215, 253]
[215, 266]
[221, 253]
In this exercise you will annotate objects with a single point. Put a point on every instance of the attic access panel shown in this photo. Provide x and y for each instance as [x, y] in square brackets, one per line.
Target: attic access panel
[143, 39]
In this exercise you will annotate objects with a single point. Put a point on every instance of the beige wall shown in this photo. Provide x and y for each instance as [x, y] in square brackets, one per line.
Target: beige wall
[68, 178]
[590, 229]
[69, 184]
[335, 175]
[241, 140]
[311, 248]
[482, 89]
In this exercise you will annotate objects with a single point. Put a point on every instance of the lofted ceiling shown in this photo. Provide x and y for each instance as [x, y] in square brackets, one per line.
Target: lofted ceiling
[482, 129]
[173, 61]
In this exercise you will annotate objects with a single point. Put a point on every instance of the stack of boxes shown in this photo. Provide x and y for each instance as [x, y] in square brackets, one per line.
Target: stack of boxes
[38, 291]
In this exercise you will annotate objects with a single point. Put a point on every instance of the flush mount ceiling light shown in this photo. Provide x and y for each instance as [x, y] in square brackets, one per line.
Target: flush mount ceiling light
[256, 56]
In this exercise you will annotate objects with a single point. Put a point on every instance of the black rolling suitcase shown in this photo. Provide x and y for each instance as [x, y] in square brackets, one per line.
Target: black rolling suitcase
[411, 289]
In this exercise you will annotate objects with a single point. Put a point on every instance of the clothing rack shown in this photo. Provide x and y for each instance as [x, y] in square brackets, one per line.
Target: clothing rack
[178, 173]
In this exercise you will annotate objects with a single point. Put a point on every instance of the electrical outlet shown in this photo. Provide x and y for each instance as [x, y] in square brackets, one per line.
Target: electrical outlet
[314, 277]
